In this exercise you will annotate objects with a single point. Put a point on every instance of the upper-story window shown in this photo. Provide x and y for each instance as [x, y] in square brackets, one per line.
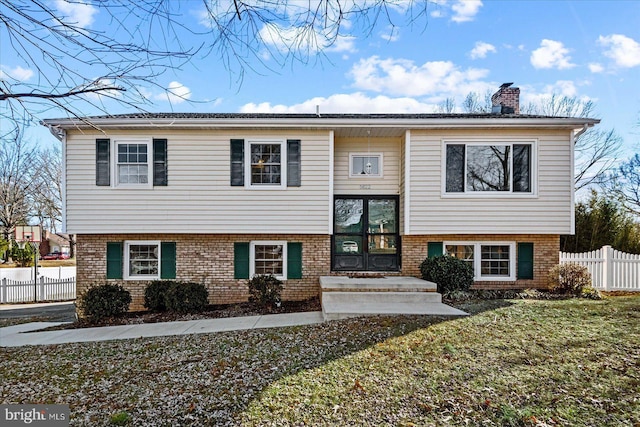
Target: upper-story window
[265, 163]
[489, 168]
[365, 165]
[131, 162]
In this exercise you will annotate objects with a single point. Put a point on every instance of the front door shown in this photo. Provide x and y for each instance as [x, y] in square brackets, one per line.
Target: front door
[365, 234]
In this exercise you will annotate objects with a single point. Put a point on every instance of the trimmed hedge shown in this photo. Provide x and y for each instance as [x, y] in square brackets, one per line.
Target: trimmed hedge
[182, 297]
[104, 301]
[449, 273]
[265, 290]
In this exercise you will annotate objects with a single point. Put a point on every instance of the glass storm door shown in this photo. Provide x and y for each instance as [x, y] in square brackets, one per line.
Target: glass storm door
[365, 234]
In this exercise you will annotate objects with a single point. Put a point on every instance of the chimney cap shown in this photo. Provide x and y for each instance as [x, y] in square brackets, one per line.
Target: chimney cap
[505, 85]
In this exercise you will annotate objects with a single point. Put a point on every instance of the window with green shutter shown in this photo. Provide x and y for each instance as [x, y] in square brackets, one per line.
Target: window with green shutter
[525, 261]
[241, 260]
[294, 260]
[168, 260]
[434, 249]
[114, 260]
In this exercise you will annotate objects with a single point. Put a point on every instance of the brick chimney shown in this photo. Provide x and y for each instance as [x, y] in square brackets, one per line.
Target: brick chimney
[506, 100]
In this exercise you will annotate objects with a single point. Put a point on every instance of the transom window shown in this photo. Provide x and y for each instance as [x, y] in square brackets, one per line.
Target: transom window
[142, 260]
[490, 260]
[365, 165]
[484, 168]
[268, 257]
[132, 166]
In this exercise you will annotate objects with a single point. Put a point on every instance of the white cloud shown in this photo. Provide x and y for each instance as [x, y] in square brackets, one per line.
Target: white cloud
[176, 93]
[391, 34]
[437, 79]
[624, 50]
[465, 10]
[551, 54]
[481, 49]
[286, 39]
[596, 68]
[357, 102]
[76, 13]
[16, 73]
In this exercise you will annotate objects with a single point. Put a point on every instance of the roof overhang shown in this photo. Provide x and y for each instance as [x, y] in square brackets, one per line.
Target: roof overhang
[351, 126]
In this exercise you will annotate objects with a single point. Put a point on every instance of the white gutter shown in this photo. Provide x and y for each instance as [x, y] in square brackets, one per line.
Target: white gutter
[320, 122]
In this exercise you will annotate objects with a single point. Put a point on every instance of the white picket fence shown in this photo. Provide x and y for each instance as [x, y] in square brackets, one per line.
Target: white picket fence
[44, 289]
[611, 270]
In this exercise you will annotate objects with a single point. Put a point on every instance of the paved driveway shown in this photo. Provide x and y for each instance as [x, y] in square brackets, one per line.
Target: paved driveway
[55, 312]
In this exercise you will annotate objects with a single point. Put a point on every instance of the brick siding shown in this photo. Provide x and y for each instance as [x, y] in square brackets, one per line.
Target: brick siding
[204, 259]
[545, 256]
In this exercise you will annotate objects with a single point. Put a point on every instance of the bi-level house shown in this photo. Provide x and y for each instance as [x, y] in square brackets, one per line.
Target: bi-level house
[217, 198]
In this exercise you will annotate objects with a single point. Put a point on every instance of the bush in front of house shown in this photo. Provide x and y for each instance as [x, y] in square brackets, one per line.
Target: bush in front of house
[186, 297]
[449, 273]
[265, 290]
[572, 279]
[23, 257]
[155, 295]
[104, 301]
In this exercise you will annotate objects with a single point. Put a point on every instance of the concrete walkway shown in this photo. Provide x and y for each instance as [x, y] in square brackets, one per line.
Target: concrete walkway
[19, 335]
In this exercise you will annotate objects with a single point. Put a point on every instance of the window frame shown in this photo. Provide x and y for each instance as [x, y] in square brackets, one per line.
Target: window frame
[380, 157]
[283, 164]
[477, 259]
[126, 259]
[252, 256]
[114, 164]
[491, 194]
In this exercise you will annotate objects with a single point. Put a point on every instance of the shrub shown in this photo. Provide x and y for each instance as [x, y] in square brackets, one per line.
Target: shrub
[22, 257]
[569, 279]
[589, 292]
[449, 273]
[155, 295]
[265, 290]
[186, 297]
[103, 301]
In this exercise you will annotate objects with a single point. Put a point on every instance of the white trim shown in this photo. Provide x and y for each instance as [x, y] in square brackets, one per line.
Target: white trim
[252, 256]
[331, 181]
[572, 178]
[126, 273]
[283, 164]
[114, 162]
[477, 259]
[380, 173]
[407, 183]
[490, 194]
[63, 194]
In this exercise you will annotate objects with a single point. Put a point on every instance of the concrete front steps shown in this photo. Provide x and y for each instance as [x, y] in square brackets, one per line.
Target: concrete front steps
[343, 297]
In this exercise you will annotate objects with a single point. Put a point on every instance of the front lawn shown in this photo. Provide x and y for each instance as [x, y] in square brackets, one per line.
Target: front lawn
[517, 362]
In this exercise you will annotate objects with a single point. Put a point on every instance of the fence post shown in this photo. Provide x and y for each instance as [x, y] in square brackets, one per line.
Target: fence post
[606, 267]
[3, 285]
[42, 279]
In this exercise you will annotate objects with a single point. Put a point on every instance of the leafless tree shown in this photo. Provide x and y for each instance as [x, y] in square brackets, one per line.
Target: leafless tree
[625, 184]
[19, 181]
[447, 106]
[77, 68]
[473, 104]
[47, 201]
[596, 150]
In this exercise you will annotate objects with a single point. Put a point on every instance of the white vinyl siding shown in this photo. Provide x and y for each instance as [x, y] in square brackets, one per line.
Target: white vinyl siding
[199, 198]
[388, 183]
[548, 211]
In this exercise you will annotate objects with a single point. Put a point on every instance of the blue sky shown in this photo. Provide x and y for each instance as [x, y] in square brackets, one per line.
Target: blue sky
[587, 49]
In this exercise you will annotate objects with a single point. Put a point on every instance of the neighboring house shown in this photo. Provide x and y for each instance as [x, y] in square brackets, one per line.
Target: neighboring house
[217, 198]
[52, 242]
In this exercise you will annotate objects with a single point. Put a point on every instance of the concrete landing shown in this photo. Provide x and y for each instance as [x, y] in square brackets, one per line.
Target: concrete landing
[344, 297]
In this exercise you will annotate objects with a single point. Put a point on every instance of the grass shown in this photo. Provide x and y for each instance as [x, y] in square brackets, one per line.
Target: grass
[45, 263]
[512, 363]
